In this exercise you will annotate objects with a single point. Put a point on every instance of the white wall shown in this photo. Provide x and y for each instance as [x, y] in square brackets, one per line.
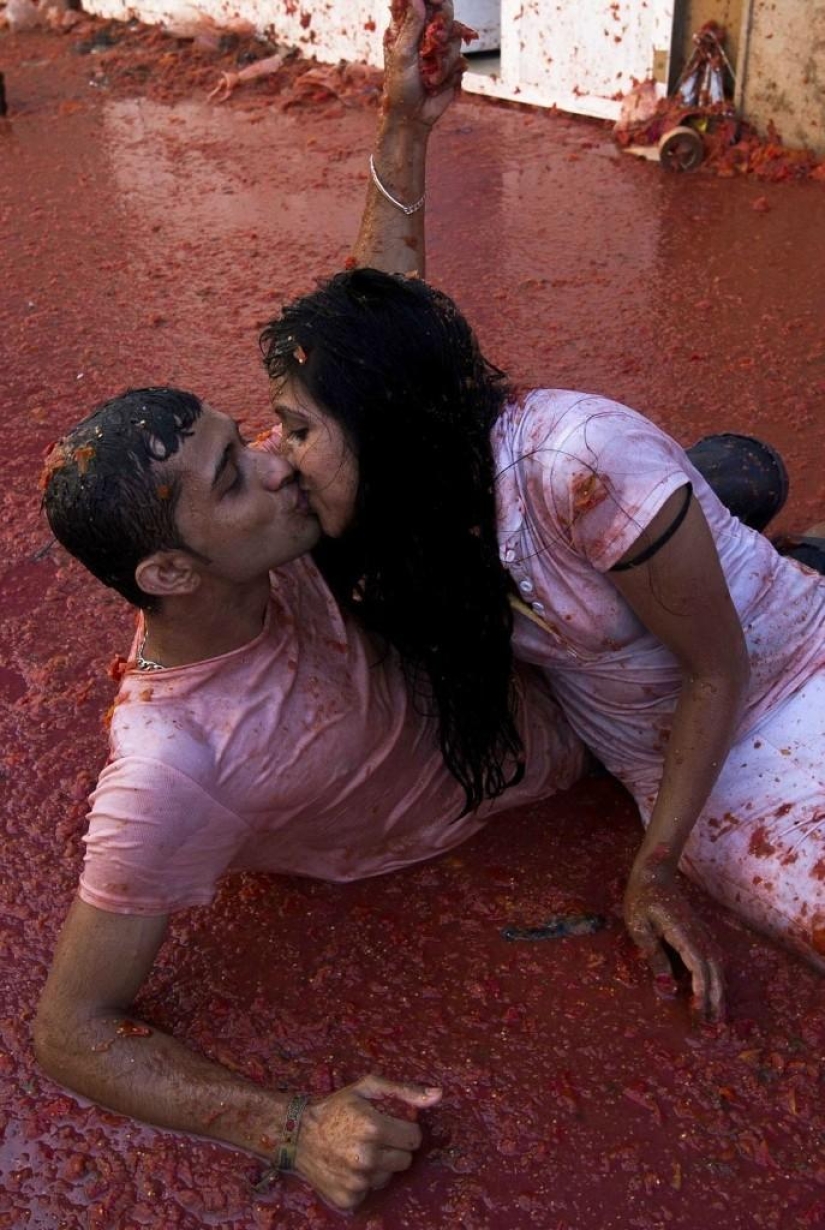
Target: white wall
[783, 71]
[329, 29]
[577, 56]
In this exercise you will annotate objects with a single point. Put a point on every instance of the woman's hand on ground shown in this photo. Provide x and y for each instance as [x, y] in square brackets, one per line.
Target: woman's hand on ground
[656, 913]
[347, 1147]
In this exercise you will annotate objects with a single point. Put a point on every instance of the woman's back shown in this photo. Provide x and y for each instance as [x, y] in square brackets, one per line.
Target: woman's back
[578, 480]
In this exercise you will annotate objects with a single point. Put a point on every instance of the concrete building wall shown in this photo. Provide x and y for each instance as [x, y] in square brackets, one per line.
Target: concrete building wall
[783, 73]
[581, 58]
[691, 15]
[329, 29]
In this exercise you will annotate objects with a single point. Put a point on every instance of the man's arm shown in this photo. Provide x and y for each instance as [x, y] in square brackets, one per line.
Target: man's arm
[388, 238]
[86, 1038]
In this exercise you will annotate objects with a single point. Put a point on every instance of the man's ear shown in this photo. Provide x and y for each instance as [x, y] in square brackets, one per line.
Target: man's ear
[166, 573]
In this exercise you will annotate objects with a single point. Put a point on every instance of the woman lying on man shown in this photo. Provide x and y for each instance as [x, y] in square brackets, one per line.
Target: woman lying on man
[469, 525]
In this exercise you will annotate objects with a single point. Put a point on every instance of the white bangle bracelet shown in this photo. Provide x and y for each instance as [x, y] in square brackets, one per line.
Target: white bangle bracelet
[405, 209]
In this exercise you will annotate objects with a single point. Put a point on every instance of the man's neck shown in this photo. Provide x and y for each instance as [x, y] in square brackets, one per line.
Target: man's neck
[214, 621]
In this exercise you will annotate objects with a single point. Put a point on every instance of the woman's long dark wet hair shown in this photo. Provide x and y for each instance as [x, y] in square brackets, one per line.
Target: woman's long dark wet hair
[396, 364]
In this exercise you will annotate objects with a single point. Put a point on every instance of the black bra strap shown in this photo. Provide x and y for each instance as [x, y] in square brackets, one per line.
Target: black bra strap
[650, 551]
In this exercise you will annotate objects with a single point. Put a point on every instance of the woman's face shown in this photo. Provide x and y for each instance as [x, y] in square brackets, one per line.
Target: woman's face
[315, 445]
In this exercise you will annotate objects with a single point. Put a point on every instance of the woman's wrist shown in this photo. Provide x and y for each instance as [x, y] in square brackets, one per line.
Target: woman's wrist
[399, 159]
[402, 130]
[655, 862]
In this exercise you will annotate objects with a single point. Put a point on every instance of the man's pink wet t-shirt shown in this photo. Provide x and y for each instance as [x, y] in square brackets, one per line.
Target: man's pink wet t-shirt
[301, 752]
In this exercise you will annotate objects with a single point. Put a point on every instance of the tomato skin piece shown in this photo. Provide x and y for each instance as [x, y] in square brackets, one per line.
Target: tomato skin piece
[435, 43]
[435, 40]
[133, 1029]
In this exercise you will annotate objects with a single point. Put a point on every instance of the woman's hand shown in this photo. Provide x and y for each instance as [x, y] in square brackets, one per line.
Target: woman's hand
[406, 95]
[656, 913]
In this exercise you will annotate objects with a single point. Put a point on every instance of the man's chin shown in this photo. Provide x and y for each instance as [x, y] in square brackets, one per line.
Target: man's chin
[307, 542]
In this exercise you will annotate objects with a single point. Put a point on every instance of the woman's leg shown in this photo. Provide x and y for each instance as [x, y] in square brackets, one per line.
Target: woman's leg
[750, 479]
[760, 845]
[746, 474]
[807, 549]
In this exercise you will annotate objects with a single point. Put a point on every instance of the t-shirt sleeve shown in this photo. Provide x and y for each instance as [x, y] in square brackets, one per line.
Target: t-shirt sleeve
[157, 841]
[597, 477]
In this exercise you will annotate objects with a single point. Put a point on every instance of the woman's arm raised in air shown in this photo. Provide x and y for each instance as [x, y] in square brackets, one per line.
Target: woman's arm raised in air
[390, 238]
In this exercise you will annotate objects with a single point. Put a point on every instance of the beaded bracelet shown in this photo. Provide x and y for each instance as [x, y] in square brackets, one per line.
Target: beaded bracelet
[285, 1154]
[285, 1157]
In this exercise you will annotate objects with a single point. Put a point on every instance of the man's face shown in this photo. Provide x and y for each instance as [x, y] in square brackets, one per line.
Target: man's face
[241, 508]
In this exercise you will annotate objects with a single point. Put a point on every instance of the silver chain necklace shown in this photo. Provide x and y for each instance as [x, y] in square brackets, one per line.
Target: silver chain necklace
[146, 664]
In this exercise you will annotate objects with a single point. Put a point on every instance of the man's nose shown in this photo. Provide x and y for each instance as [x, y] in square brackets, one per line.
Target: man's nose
[276, 471]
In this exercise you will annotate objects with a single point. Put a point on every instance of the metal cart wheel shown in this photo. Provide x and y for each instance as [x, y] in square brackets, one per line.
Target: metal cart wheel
[681, 149]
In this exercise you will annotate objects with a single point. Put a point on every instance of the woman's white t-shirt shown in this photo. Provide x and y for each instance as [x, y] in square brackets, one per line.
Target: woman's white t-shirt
[578, 480]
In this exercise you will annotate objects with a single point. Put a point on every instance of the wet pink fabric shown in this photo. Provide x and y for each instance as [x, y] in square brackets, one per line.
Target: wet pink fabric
[300, 753]
[579, 478]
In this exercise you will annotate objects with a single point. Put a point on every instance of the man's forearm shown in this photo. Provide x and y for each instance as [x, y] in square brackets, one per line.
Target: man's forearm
[86, 1037]
[130, 1067]
[388, 238]
[345, 1148]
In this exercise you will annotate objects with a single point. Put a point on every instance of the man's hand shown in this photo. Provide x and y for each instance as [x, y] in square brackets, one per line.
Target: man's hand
[656, 913]
[347, 1147]
[406, 94]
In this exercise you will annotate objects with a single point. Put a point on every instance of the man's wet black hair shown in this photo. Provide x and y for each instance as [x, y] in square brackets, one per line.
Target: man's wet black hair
[106, 493]
[397, 365]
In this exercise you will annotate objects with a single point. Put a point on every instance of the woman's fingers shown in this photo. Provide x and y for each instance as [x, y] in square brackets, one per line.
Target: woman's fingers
[685, 935]
[659, 914]
[715, 1008]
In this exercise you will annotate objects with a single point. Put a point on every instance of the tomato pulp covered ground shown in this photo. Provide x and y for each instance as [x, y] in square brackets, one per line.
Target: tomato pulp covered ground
[147, 236]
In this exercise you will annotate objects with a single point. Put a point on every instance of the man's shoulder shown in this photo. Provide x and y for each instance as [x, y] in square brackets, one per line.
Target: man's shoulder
[181, 762]
[158, 837]
[157, 733]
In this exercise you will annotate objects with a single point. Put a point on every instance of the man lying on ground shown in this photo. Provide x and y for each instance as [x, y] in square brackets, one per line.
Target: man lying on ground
[248, 698]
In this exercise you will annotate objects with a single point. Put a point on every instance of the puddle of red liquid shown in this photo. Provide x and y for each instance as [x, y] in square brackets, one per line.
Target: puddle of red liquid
[146, 241]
